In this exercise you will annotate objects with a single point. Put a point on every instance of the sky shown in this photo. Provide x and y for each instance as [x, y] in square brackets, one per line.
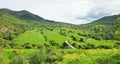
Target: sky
[69, 11]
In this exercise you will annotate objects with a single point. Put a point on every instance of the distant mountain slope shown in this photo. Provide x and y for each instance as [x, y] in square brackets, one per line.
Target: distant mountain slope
[107, 20]
[25, 15]
[13, 23]
[103, 28]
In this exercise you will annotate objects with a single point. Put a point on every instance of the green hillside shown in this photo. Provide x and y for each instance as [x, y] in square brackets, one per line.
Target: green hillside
[11, 27]
[24, 15]
[26, 38]
[31, 36]
[104, 28]
[17, 31]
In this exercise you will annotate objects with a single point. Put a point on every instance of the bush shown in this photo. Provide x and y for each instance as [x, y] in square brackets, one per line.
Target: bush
[105, 47]
[73, 38]
[3, 57]
[113, 59]
[1, 60]
[53, 43]
[117, 43]
[53, 57]
[90, 46]
[73, 61]
[18, 60]
[38, 57]
[116, 46]
[81, 40]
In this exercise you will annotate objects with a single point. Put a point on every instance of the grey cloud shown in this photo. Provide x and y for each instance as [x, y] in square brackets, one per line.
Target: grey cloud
[101, 8]
[97, 12]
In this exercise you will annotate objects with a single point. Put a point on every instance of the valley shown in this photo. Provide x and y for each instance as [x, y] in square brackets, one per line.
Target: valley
[26, 38]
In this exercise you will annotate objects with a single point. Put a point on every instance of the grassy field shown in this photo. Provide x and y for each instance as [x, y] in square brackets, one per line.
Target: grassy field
[52, 35]
[35, 37]
[31, 36]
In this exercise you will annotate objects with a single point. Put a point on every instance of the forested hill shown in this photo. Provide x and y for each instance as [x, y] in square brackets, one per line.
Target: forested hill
[13, 23]
[24, 15]
[107, 20]
[11, 27]
[18, 31]
[103, 28]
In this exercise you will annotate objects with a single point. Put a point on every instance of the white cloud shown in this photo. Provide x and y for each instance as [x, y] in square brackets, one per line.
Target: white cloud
[102, 8]
[71, 11]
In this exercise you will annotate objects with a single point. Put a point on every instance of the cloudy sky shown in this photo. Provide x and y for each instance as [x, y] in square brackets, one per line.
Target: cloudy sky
[70, 11]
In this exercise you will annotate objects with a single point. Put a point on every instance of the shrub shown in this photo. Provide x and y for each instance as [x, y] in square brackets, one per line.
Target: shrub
[45, 38]
[4, 59]
[116, 46]
[38, 57]
[112, 59]
[90, 46]
[53, 57]
[41, 32]
[73, 38]
[73, 61]
[75, 45]
[105, 46]
[27, 45]
[53, 43]
[81, 40]
[18, 60]
[117, 43]
[1, 60]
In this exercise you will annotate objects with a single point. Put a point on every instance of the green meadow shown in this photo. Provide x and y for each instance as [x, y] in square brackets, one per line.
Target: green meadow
[26, 38]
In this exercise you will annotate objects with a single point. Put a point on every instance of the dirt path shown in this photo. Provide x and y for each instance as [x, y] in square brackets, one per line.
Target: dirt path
[70, 45]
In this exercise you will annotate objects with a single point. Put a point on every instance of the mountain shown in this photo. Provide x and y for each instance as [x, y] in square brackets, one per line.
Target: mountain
[24, 15]
[24, 32]
[103, 28]
[107, 20]
[13, 23]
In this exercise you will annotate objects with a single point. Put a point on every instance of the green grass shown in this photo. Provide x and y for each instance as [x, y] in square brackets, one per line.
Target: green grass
[54, 35]
[31, 36]
[35, 36]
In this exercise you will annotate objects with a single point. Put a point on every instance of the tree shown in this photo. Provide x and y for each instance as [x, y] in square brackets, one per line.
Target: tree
[81, 40]
[38, 57]
[117, 33]
[74, 38]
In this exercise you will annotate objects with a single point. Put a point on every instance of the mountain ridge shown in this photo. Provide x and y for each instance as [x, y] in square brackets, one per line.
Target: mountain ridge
[23, 14]
[104, 28]
[26, 15]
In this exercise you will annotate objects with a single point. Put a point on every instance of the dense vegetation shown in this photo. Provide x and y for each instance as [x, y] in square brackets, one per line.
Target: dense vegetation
[21, 32]
[69, 56]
